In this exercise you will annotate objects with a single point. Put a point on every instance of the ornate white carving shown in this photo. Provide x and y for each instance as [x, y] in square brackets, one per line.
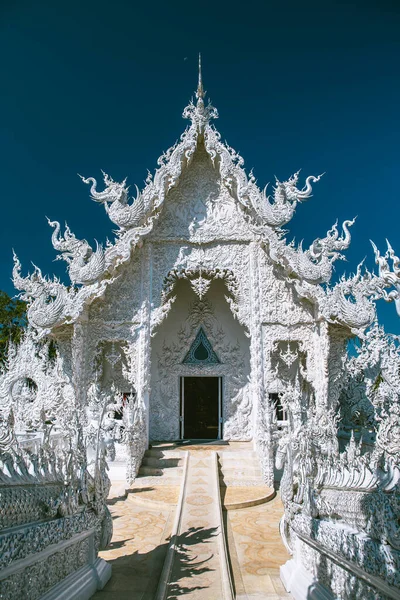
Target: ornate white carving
[124, 327]
[315, 264]
[389, 278]
[286, 196]
[113, 357]
[164, 402]
[116, 194]
[135, 437]
[49, 501]
[85, 266]
[332, 497]
[51, 304]
[47, 297]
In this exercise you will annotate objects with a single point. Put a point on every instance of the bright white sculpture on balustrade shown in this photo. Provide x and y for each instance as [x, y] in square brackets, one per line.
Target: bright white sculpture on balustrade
[201, 250]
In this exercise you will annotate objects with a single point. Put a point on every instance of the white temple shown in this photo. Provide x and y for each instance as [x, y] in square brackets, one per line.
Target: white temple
[201, 321]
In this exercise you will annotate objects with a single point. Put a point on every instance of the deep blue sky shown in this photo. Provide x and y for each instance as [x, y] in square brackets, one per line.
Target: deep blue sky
[101, 85]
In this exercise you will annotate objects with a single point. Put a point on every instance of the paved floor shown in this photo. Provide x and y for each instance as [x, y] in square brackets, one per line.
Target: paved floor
[235, 496]
[137, 551]
[143, 523]
[257, 551]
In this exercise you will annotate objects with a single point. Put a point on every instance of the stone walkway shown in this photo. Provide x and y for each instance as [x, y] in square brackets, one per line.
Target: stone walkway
[143, 524]
[200, 566]
[137, 550]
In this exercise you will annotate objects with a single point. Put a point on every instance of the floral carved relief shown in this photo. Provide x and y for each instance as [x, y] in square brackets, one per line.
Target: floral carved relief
[233, 368]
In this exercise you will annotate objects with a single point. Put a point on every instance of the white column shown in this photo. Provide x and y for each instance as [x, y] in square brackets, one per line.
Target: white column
[78, 359]
[261, 420]
[144, 340]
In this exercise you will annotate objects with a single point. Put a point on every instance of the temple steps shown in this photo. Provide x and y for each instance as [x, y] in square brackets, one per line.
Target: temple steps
[241, 481]
[164, 453]
[238, 497]
[160, 471]
[233, 455]
[213, 501]
[240, 477]
[160, 467]
[241, 472]
[161, 462]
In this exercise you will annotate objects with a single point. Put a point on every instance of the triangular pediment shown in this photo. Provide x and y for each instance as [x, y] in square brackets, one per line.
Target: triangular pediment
[201, 206]
[201, 351]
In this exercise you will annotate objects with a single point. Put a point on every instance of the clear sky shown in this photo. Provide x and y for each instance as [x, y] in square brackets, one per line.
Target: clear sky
[101, 85]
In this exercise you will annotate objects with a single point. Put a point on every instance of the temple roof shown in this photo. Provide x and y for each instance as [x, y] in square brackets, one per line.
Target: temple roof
[92, 271]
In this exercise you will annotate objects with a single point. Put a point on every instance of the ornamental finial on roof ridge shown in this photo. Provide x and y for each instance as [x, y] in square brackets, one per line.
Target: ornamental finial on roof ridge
[198, 113]
[200, 90]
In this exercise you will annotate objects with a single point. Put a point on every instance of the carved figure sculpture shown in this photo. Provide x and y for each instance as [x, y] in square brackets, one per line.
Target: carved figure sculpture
[285, 199]
[115, 200]
[84, 265]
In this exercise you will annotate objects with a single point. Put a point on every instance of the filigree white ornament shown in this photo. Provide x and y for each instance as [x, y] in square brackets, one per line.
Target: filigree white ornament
[200, 251]
[85, 266]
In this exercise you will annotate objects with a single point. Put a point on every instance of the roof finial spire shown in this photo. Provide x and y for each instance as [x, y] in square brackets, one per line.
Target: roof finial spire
[200, 90]
[197, 112]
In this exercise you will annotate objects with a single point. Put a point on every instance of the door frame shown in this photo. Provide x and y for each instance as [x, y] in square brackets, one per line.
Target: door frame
[182, 404]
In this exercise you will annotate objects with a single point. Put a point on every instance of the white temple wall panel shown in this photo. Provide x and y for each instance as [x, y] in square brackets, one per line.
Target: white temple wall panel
[336, 361]
[201, 202]
[123, 299]
[279, 300]
[171, 344]
[225, 260]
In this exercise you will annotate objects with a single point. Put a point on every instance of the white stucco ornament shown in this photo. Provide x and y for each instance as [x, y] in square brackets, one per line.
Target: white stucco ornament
[200, 257]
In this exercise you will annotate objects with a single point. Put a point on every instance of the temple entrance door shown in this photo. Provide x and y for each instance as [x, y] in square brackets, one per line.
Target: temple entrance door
[201, 408]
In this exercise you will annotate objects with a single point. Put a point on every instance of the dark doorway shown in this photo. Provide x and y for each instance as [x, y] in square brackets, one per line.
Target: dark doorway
[200, 407]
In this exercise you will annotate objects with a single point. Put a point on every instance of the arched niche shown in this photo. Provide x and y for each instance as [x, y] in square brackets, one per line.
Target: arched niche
[175, 337]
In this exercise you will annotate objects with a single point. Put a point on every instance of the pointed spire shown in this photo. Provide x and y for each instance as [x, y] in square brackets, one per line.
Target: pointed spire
[200, 90]
[198, 113]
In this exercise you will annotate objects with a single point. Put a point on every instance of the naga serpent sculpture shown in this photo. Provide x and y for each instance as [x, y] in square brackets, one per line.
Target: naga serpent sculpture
[115, 200]
[85, 266]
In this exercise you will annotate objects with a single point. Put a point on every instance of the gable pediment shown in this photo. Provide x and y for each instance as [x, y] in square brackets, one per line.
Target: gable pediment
[201, 206]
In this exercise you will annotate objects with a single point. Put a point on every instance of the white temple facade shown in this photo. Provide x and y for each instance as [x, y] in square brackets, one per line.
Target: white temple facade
[200, 250]
[201, 321]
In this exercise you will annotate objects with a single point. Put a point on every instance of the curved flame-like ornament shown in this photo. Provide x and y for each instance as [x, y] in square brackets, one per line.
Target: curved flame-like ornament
[115, 200]
[351, 301]
[389, 277]
[85, 266]
[47, 298]
[47, 310]
[357, 315]
[280, 210]
[315, 265]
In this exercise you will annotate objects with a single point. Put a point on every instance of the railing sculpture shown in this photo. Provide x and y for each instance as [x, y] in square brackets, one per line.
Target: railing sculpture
[53, 516]
[341, 508]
